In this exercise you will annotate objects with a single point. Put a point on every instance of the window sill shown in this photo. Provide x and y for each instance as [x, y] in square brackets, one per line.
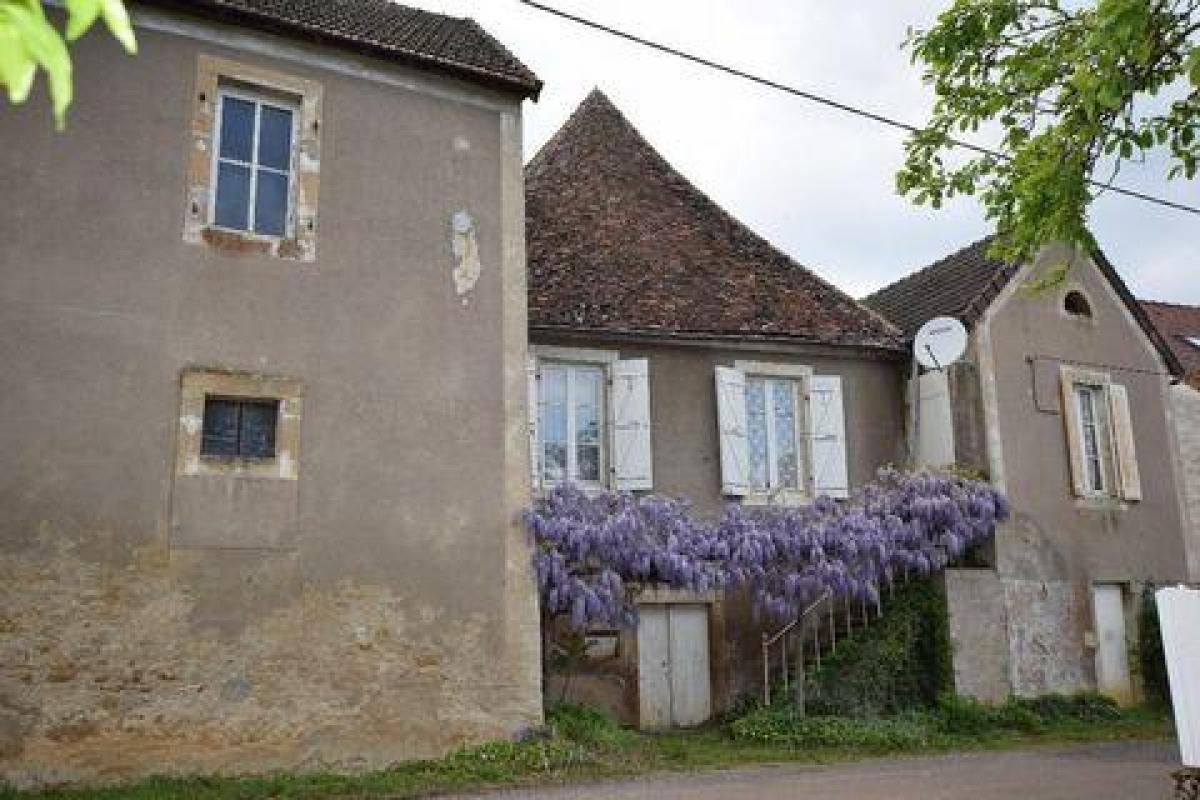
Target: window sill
[1100, 502]
[235, 242]
[253, 468]
[777, 499]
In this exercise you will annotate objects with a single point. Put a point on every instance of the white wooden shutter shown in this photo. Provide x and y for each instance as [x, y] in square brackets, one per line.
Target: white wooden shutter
[830, 476]
[629, 399]
[731, 426]
[535, 444]
[1124, 456]
[1074, 436]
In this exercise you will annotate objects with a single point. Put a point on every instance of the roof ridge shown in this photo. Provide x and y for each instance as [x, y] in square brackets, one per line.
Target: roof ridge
[920, 271]
[1168, 303]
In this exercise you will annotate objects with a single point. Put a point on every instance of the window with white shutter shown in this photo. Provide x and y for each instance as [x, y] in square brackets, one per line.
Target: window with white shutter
[1100, 441]
[590, 419]
[782, 433]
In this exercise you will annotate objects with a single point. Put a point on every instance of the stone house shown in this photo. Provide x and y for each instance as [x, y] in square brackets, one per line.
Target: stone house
[1179, 326]
[675, 351]
[264, 453]
[1063, 401]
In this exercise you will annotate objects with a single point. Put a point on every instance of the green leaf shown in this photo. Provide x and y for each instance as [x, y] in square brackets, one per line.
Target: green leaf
[1193, 66]
[17, 69]
[83, 14]
[117, 20]
[45, 47]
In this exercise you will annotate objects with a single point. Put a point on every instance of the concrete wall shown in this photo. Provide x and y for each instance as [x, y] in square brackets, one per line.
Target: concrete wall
[1058, 545]
[1185, 402]
[396, 618]
[683, 409]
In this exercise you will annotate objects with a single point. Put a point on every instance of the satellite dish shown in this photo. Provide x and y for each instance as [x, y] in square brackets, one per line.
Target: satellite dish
[940, 342]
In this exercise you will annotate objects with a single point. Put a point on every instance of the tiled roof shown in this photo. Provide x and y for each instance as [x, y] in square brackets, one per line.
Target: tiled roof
[960, 285]
[964, 284]
[1178, 324]
[620, 242]
[382, 28]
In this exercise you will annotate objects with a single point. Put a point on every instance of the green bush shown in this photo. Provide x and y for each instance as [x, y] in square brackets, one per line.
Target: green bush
[900, 662]
[781, 726]
[967, 717]
[1152, 660]
[587, 726]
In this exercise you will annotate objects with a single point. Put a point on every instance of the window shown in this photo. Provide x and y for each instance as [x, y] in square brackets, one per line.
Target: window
[781, 431]
[253, 172]
[773, 427]
[253, 164]
[1100, 436]
[589, 419]
[239, 427]
[1076, 304]
[1094, 437]
[570, 410]
[1194, 341]
[239, 424]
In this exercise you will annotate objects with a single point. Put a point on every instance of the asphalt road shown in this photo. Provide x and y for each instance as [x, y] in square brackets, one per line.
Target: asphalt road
[1109, 771]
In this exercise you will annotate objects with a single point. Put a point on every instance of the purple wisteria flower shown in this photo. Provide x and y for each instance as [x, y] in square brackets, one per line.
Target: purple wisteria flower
[594, 549]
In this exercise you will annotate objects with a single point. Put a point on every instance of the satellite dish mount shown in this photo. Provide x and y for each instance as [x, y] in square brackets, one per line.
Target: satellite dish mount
[939, 343]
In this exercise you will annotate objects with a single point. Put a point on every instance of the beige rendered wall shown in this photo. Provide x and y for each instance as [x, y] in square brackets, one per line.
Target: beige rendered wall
[1186, 407]
[394, 617]
[1058, 545]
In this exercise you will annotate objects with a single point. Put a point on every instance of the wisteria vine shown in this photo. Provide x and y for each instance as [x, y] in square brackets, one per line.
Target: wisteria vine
[595, 550]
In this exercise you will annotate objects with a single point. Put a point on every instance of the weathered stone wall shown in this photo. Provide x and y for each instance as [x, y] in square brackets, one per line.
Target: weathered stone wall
[978, 618]
[392, 614]
[1186, 407]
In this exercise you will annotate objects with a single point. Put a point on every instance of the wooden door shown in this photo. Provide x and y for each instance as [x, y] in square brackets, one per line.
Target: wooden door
[1112, 653]
[674, 688]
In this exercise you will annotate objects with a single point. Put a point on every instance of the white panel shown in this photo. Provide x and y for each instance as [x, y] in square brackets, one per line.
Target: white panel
[654, 667]
[935, 422]
[633, 461]
[731, 422]
[691, 698]
[1179, 620]
[1112, 650]
[535, 444]
[830, 475]
[1129, 479]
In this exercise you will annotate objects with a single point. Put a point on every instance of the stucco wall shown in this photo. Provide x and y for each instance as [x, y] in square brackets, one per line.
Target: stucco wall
[397, 617]
[1058, 545]
[1186, 417]
[686, 451]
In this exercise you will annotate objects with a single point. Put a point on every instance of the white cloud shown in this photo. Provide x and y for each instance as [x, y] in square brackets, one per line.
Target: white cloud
[816, 182]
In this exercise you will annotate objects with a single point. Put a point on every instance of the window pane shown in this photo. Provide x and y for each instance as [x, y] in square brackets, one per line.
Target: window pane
[258, 429]
[554, 461]
[587, 406]
[587, 462]
[220, 436]
[237, 128]
[270, 203]
[784, 395]
[233, 196]
[756, 427]
[275, 138]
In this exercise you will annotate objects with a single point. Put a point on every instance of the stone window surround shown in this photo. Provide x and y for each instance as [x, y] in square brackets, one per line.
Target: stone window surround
[301, 243]
[802, 373]
[579, 356]
[197, 383]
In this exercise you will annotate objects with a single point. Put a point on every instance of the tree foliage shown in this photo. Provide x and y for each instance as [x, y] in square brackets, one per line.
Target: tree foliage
[29, 41]
[594, 552]
[1075, 89]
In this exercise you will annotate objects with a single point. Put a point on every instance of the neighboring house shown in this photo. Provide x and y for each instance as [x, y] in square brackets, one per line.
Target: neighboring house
[1062, 400]
[675, 351]
[1179, 326]
[264, 455]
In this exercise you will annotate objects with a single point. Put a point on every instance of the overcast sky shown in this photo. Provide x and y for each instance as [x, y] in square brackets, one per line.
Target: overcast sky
[816, 182]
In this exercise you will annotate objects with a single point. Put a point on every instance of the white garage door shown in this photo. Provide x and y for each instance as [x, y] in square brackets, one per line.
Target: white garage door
[673, 665]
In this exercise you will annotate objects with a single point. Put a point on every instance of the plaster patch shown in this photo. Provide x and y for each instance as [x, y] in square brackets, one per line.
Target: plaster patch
[461, 144]
[465, 247]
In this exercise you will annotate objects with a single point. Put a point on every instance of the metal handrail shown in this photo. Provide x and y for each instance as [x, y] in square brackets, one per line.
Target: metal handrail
[767, 641]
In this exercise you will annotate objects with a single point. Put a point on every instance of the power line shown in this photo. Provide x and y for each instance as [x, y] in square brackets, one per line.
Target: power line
[828, 101]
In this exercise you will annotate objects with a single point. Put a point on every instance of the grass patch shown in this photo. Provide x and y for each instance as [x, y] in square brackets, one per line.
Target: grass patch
[581, 744]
